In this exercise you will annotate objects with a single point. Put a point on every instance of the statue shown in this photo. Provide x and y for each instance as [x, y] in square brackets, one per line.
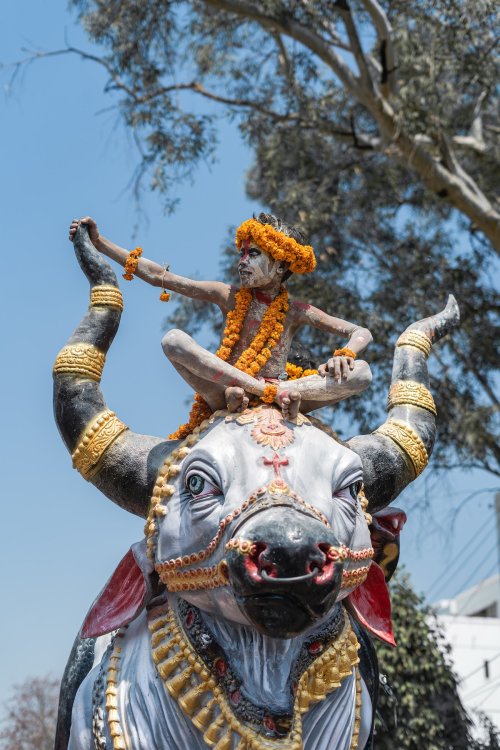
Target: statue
[241, 620]
[269, 251]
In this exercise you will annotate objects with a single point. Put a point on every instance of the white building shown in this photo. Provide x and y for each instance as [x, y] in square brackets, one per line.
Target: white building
[471, 622]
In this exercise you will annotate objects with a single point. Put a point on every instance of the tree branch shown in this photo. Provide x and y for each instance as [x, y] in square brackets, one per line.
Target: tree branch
[387, 50]
[296, 31]
[343, 8]
[470, 365]
[38, 55]
[436, 176]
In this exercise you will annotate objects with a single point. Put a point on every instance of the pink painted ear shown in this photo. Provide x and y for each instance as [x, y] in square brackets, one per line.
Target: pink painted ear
[370, 604]
[119, 602]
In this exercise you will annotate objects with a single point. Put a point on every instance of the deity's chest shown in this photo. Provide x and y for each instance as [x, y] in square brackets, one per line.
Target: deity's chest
[279, 353]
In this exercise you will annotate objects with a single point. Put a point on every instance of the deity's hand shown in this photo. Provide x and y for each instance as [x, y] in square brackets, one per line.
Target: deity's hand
[337, 367]
[91, 226]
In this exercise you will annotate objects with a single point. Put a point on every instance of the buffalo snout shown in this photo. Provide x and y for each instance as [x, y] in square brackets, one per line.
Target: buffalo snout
[285, 569]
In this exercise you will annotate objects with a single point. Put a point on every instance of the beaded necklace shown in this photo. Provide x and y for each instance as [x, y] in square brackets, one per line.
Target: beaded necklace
[208, 692]
[255, 356]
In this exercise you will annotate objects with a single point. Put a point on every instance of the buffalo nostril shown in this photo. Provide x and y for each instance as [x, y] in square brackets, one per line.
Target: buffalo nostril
[257, 562]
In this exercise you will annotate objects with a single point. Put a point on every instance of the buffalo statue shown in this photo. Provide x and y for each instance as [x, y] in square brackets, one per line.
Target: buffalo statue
[242, 619]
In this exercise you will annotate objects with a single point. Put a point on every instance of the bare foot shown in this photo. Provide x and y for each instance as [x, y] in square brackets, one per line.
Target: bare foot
[290, 404]
[236, 400]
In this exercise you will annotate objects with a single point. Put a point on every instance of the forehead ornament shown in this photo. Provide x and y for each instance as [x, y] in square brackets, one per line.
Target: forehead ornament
[270, 428]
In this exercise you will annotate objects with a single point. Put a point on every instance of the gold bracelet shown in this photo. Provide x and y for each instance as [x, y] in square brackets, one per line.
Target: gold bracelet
[410, 392]
[80, 359]
[344, 352]
[417, 340]
[99, 434]
[106, 296]
[408, 440]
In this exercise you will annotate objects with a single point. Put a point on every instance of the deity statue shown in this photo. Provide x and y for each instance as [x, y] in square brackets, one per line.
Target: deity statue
[261, 322]
[243, 618]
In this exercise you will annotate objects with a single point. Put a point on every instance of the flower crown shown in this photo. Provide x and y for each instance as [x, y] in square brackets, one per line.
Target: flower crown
[277, 245]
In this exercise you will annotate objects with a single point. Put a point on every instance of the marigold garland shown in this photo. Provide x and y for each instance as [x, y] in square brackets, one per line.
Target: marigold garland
[270, 393]
[277, 245]
[295, 372]
[131, 263]
[252, 359]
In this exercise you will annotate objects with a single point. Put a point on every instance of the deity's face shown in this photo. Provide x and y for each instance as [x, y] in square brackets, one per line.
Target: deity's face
[256, 268]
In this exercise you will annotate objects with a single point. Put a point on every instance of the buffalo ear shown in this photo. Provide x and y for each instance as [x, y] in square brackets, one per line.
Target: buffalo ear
[121, 600]
[370, 605]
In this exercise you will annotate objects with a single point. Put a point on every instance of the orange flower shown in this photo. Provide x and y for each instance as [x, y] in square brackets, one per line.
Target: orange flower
[255, 356]
[131, 263]
[295, 372]
[277, 245]
[269, 394]
[344, 352]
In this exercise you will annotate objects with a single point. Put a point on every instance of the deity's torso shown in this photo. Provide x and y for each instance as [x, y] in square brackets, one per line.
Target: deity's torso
[275, 366]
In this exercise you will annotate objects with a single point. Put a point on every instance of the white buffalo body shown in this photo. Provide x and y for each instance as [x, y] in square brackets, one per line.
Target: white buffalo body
[320, 471]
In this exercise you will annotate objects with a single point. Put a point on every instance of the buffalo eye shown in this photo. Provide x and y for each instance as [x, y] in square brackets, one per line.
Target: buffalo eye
[196, 484]
[355, 489]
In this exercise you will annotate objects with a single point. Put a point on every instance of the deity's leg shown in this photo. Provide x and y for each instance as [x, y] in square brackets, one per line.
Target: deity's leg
[316, 391]
[206, 373]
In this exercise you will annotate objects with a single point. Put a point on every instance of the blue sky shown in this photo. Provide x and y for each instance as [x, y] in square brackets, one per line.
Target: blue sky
[61, 538]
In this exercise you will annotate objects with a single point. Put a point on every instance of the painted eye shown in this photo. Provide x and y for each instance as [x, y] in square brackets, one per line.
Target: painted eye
[355, 489]
[199, 486]
[195, 484]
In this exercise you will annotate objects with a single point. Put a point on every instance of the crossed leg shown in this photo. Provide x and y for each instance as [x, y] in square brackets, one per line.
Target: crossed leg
[223, 385]
[205, 372]
[316, 391]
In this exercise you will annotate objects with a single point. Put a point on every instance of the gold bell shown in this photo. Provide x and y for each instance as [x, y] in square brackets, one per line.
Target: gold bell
[352, 653]
[158, 637]
[163, 650]
[191, 701]
[318, 687]
[212, 733]
[166, 668]
[177, 684]
[110, 701]
[304, 700]
[204, 717]
[225, 742]
[345, 664]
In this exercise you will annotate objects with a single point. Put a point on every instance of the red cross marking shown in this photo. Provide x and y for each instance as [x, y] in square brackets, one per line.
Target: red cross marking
[276, 461]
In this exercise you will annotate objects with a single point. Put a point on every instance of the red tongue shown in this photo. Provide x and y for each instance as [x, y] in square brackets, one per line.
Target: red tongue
[371, 605]
[120, 600]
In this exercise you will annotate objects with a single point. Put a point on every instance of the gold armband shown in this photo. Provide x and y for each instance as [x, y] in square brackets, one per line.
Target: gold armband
[417, 339]
[106, 296]
[408, 440]
[80, 359]
[99, 434]
[410, 392]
